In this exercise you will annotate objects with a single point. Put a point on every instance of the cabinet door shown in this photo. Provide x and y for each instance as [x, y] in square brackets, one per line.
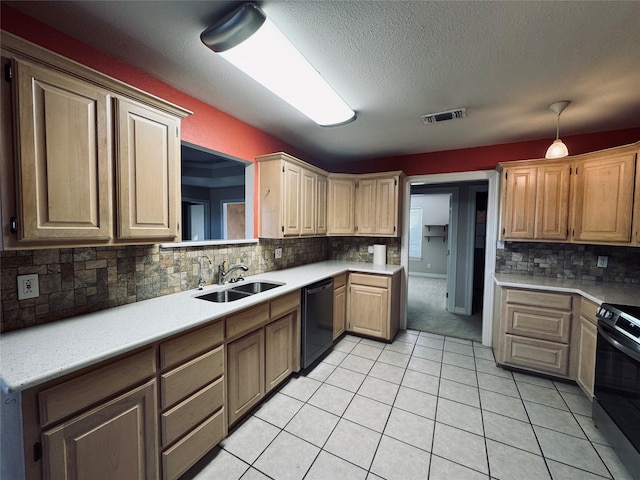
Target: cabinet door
[386, 206]
[278, 351]
[113, 441]
[341, 202]
[366, 207]
[339, 310]
[291, 195]
[519, 203]
[308, 203]
[321, 205]
[148, 173]
[245, 373]
[552, 202]
[603, 199]
[64, 161]
[368, 310]
[636, 208]
[587, 338]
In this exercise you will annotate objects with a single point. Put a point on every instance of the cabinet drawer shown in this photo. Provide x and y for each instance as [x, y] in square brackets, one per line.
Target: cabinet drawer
[247, 320]
[285, 304]
[187, 414]
[70, 397]
[588, 310]
[186, 379]
[539, 323]
[339, 280]
[370, 280]
[539, 299]
[537, 354]
[177, 459]
[191, 344]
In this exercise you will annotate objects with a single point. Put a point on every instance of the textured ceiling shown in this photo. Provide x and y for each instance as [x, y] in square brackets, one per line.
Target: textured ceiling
[393, 61]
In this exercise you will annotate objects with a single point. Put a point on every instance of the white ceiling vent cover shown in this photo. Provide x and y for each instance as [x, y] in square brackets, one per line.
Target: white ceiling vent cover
[443, 116]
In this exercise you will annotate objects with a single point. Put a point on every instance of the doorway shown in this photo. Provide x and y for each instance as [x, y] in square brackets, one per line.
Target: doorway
[441, 261]
[467, 261]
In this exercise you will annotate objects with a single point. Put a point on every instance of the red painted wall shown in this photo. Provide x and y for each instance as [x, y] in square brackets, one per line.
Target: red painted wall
[207, 127]
[214, 129]
[486, 158]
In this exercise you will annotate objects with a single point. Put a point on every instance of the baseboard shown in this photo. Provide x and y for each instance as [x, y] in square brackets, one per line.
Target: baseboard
[428, 275]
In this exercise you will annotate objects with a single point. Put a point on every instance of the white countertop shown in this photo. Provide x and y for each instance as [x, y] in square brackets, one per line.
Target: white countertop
[34, 355]
[597, 292]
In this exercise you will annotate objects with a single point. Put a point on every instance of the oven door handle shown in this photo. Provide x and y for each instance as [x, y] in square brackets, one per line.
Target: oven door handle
[620, 343]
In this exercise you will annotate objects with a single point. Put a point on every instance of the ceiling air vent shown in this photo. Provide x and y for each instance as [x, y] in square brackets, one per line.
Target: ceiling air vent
[442, 116]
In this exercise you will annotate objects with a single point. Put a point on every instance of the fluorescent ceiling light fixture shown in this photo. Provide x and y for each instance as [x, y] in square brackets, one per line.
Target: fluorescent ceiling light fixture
[250, 41]
[558, 149]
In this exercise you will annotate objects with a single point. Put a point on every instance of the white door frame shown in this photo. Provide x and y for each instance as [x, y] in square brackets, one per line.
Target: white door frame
[491, 239]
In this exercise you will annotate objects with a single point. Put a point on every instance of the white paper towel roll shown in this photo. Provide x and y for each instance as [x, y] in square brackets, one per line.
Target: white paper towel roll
[380, 254]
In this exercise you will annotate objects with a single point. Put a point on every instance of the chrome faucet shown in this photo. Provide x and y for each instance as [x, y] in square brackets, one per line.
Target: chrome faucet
[201, 281]
[223, 274]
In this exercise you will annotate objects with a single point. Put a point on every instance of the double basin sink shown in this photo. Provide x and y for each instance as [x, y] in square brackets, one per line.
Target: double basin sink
[239, 291]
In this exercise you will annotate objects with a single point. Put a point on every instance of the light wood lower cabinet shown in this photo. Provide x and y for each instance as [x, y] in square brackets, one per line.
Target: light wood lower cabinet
[101, 424]
[549, 332]
[192, 397]
[373, 305]
[339, 305]
[113, 441]
[586, 334]
[245, 374]
[278, 352]
[536, 330]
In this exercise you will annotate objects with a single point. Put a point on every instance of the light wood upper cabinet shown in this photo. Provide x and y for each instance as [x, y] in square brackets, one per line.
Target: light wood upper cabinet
[321, 202]
[519, 203]
[291, 200]
[148, 169]
[342, 207]
[367, 205]
[535, 202]
[377, 205]
[603, 198]
[583, 199]
[552, 202]
[64, 157]
[291, 196]
[308, 204]
[636, 207]
[92, 161]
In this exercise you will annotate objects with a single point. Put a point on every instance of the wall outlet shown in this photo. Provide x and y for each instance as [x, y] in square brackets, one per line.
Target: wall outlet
[428, 265]
[28, 286]
[603, 261]
[370, 248]
[278, 253]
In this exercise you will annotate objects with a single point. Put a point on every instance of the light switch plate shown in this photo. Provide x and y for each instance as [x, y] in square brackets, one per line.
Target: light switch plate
[28, 286]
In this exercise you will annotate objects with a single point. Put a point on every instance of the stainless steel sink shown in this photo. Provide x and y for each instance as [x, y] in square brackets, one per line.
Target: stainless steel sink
[239, 291]
[224, 296]
[256, 287]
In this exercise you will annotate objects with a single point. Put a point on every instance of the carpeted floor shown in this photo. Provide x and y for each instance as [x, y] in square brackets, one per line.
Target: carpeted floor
[427, 311]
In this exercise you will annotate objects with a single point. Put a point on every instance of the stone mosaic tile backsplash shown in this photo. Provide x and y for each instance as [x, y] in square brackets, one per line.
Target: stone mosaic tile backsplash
[570, 261]
[73, 281]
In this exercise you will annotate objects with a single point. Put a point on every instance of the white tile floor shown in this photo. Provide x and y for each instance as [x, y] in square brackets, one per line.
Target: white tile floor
[422, 407]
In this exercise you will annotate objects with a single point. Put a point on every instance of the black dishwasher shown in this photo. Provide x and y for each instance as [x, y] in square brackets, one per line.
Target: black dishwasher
[317, 321]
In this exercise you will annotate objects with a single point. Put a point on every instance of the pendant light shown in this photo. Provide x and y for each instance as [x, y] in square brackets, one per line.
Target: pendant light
[558, 149]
